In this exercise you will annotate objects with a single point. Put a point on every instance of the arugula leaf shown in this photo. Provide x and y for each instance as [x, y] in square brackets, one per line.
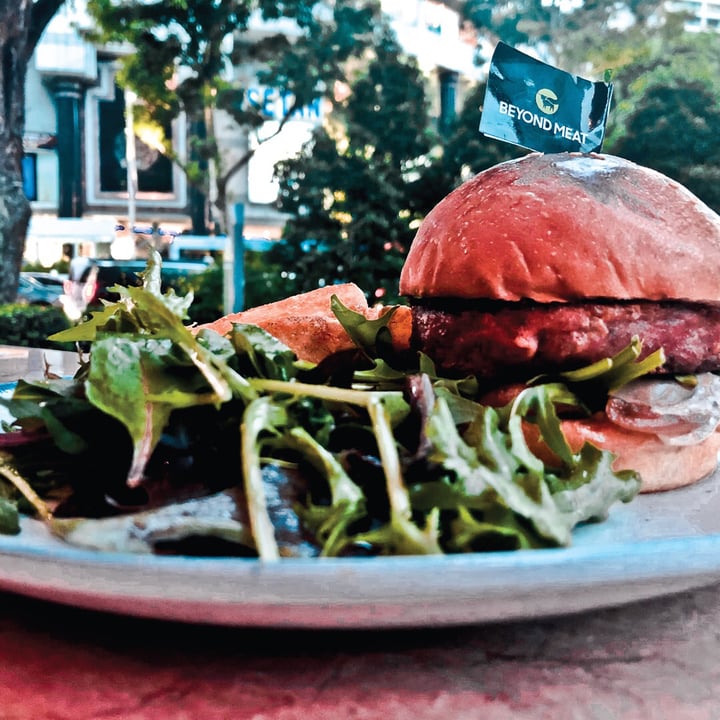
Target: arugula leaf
[499, 529]
[491, 461]
[538, 404]
[329, 523]
[373, 337]
[128, 380]
[492, 466]
[261, 416]
[142, 357]
[212, 516]
[405, 536]
[267, 357]
[612, 373]
[43, 405]
[591, 486]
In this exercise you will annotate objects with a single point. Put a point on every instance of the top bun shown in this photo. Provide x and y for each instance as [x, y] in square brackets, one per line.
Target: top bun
[565, 227]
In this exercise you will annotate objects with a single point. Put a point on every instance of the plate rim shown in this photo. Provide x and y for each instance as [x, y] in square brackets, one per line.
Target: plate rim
[355, 593]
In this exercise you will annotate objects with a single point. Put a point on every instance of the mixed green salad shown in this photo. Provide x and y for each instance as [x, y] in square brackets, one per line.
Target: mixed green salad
[176, 440]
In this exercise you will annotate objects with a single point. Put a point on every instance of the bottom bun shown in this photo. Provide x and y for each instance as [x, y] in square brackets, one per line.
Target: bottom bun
[661, 466]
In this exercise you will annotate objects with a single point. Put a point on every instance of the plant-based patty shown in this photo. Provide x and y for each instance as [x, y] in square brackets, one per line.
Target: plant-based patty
[510, 341]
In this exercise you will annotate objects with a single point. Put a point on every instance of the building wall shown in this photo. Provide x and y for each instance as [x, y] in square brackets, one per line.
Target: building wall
[40, 127]
[704, 14]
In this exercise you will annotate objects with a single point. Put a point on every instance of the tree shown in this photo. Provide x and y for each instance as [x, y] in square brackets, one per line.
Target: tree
[463, 153]
[184, 55]
[668, 113]
[21, 25]
[330, 191]
[348, 192]
[677, 121]
[579, 36]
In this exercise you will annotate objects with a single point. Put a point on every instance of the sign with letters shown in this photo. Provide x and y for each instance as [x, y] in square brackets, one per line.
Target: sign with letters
[534, 105]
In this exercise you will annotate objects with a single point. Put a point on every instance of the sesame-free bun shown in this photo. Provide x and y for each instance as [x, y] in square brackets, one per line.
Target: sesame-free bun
[565, 227]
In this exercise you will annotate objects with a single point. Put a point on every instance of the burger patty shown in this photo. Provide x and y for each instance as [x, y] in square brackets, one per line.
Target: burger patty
[507, 341]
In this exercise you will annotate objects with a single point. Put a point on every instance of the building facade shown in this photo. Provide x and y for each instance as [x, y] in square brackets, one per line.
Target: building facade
[76, 151]
[703, 15]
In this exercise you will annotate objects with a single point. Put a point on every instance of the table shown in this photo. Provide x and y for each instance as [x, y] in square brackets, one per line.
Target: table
[653, 660]
[657, 660]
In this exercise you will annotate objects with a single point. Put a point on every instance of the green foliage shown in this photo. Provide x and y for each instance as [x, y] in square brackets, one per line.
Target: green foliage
[665, 112]
[674, 129]
[348, 192]
[207, 289]
[578, 37]
[464, 153]
[516, 23]
[61, 266]
[358, 191]
[330, 190]
[265, 280]
[31, 325]
[356, 198]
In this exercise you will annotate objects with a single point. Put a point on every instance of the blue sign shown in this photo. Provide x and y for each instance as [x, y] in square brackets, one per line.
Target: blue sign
[276, 104]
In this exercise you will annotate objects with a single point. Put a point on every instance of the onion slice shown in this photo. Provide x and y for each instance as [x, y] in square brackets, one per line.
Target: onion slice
[679, 413]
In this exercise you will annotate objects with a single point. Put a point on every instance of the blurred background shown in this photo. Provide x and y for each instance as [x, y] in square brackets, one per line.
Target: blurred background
[275, 147]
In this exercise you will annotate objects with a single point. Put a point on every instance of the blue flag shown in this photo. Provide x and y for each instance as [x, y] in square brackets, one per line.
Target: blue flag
[534, 105]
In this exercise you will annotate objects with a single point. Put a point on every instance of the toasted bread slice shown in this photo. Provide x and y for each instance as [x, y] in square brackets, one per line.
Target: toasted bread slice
[307, 325]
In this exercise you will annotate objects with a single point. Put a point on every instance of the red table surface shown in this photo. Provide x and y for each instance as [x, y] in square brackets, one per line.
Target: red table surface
[657, 659]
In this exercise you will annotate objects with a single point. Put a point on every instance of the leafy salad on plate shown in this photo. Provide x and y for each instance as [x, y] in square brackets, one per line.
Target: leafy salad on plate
[177, 440]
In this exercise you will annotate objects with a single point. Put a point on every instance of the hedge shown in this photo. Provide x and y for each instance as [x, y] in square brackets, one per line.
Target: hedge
[31, 325]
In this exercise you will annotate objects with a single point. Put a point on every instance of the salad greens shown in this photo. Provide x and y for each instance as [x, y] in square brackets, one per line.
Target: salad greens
[177, 440]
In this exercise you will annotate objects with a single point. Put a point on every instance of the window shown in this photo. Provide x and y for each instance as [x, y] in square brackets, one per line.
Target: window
[161, 184]
[154, 170]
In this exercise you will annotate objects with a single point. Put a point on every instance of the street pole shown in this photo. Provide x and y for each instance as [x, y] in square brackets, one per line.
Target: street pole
[131, 161]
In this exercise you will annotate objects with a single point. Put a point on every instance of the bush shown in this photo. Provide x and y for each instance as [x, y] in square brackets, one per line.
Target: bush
[264, 282]
[207, 288]
[31, 325]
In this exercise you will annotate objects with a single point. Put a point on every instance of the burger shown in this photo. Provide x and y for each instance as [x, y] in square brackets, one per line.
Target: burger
[549, 263]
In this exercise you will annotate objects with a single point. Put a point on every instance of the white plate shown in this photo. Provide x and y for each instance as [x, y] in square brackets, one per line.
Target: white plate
[656, 545]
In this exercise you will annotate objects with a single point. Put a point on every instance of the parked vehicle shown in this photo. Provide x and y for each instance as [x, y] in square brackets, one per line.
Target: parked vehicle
[89, 283]
[40, 288]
